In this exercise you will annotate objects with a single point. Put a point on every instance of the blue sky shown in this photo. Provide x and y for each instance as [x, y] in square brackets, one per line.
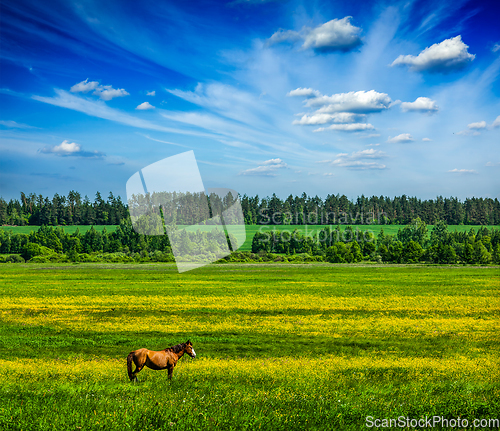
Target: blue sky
[285, 97]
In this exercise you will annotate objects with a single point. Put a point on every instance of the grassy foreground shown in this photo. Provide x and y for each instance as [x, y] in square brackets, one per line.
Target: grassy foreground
[279, 347]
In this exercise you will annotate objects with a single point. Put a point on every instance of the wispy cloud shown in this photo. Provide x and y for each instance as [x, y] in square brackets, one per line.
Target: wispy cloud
[403, 138]
[97, 108]
[351, 127]
[463, 171]
[267, 169]
[15, 125]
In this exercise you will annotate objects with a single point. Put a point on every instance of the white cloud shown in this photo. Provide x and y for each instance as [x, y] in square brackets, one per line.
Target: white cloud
[338, 117]
[346, 110]
[426, 139]
[304, 92]
[401, 139]
[490, 164]
[145, 106]
[496, 123]
[151, 93]
[276, 163]
[496, 47]
[84, 86]
[421, 104]
[67, 148]
[105, 92]
[463, 171]
[350, 127]
[357, 160]
[449, 55]
[478, 125]
[354, 101]
[268, 168]
[334, 35]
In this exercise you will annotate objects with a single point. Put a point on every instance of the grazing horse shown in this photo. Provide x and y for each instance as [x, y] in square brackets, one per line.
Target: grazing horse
[166, 358]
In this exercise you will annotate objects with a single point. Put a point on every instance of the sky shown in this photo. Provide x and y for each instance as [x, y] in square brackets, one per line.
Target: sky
[322, 97]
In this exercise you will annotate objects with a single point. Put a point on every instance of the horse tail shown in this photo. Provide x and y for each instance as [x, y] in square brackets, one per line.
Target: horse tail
[130, 359]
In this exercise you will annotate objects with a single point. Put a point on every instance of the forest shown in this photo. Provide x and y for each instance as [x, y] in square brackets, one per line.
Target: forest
[73, 209]
[413, 243]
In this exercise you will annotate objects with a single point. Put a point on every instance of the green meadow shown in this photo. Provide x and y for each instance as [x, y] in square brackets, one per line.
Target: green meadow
[279, 347]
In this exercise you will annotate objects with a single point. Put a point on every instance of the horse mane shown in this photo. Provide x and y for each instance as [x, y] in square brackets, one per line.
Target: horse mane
[177, 348]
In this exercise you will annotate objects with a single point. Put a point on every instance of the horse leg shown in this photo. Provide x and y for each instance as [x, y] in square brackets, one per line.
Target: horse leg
[138, 368]
[170, 370]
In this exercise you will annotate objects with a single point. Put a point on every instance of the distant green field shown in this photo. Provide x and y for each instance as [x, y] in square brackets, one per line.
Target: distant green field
[68, 229]
[279, 347]
[251, 230]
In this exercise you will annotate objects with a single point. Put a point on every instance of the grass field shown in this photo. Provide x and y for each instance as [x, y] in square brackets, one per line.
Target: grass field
[279, 347]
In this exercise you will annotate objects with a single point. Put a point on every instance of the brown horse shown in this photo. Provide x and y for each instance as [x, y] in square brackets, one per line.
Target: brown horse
[166, 358]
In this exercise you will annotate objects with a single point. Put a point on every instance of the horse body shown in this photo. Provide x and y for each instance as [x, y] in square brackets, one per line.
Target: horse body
[158, 360]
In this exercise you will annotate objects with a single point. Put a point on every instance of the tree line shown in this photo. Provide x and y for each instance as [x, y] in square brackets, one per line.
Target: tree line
[73, 209]
[413, 243]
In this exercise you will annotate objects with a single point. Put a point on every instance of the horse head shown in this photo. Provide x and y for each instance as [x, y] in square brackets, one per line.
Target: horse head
[189, 349]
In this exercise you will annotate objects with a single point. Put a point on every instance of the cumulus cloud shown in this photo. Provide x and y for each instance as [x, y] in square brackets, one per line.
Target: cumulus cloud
[449, 55]
[151, 93]
[67, 148]
[347, 111]
[335, 35]
[496, 123]
[350, 127]
[105, 92]
[145, 106]
[401, 139]
[421, 104]
[267, 169]
[463, 171]
[360, 160]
